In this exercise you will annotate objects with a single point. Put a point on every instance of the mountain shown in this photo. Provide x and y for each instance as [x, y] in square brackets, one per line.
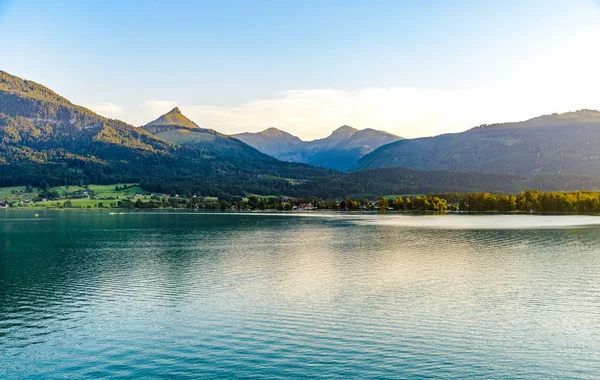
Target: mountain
[174, 118]
[557, 143]
[178, 129]
[39, 126]
[341, 150]
[372, 183]
[45, 140]
[273, 142]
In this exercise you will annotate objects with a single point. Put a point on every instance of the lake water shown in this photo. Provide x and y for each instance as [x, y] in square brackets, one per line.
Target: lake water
[166, 294]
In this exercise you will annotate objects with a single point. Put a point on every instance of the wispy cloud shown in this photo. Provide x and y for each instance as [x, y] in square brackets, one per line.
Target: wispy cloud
[553, 69]
[405, 111]
[409, 112]
[160, 106]
[107, 109]
[557, 73]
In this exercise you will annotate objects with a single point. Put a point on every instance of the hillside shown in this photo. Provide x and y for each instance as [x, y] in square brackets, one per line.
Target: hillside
[557, 143]
[45, 140]
[274, 142]
[372, 183]
[341, 150]
[173, 118]
[178, 129]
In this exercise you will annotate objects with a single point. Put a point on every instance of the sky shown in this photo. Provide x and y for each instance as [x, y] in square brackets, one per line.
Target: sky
[413, 68]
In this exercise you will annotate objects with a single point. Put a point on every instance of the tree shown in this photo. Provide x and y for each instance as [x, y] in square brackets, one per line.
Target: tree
[382, 203]
[399, 203]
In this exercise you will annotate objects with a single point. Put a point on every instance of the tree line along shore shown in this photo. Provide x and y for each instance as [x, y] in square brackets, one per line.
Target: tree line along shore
[132, 196]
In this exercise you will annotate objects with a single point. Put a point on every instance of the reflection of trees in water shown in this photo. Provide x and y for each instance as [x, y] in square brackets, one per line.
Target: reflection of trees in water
[74, 264]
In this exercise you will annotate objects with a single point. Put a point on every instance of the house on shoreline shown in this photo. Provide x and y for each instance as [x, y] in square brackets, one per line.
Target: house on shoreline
[304, 207]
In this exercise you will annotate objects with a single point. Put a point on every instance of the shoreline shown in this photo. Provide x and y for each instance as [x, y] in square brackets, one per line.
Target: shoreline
[357, 212]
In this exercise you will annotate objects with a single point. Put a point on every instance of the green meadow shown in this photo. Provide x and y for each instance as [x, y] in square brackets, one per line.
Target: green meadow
[97, 195]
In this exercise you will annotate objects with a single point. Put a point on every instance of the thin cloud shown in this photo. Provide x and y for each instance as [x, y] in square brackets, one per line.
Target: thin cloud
[107, 109]
[159, 105]
[405, 111]
[408, 112]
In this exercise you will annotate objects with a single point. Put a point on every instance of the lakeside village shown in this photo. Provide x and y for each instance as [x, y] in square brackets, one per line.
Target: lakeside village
[132, 196]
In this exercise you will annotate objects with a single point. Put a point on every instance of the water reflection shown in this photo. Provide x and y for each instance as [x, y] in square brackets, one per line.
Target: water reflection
[88, 294]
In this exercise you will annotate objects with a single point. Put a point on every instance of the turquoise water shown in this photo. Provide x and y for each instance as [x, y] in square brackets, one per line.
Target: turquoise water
[87, 294]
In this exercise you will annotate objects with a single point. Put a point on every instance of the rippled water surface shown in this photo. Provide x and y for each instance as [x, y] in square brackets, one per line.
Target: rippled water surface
[90, 294]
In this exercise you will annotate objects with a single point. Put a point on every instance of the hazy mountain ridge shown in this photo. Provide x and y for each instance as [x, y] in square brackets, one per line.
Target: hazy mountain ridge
[340, 150]
[557, 143]
[274, 142]
[47, 140]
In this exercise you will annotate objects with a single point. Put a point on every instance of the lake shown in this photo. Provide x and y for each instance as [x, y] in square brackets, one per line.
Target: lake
[230, 295]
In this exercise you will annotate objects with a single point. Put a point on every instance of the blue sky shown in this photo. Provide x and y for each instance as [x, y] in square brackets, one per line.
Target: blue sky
[413, 68]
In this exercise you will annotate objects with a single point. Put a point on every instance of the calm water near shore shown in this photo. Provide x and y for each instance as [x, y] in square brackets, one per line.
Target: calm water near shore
[183, 294]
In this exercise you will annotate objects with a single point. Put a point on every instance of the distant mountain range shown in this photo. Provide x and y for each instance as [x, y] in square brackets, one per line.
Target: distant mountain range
[45, 140]
[341, 150]
[557, 143]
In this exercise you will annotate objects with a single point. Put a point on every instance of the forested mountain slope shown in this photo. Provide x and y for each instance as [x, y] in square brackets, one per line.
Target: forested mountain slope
[557, 143]
[375, 182]
[47, 140]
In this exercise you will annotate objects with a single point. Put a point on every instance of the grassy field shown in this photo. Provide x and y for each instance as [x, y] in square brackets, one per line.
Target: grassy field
[105, 194]
[75, 203]
[103, 190]
[98, 194]
[16, 193]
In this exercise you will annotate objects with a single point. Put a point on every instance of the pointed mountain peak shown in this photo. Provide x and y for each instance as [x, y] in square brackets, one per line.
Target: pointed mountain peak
[346, 128]
[344, 131]
[274, 132]
[271, 130]
[173, 118]
[370, 132]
